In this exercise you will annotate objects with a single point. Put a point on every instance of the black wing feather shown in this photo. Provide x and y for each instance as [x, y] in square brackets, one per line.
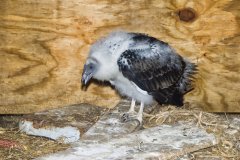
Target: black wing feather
[154, 72]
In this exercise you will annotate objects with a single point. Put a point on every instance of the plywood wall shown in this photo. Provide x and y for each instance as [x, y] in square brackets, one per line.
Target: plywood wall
[43, 45]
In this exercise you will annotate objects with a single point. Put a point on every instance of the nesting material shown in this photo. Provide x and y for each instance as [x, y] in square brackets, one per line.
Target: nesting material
[63, 124]
[221, 125]
[166, 141]
[68, 134]
[111, 139]
[110, 126]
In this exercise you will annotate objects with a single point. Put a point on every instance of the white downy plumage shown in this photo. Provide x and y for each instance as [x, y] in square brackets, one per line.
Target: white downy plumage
[107, 59]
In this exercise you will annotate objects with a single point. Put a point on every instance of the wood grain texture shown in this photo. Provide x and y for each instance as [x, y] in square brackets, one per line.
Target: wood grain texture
[44, 44]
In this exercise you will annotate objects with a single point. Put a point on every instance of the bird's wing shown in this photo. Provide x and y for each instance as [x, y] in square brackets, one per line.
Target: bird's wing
[151, 68]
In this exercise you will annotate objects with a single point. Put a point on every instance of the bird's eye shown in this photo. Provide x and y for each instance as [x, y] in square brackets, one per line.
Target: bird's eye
[90, 67]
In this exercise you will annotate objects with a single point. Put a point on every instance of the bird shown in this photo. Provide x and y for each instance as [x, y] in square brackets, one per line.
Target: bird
[142, 68]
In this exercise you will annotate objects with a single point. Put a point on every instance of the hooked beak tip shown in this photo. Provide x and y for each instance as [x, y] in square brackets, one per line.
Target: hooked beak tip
[86, 78]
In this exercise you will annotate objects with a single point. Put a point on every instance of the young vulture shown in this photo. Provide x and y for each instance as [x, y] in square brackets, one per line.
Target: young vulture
[140, 67]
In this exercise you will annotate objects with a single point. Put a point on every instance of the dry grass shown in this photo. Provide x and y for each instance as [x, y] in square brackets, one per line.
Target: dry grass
[19, 146]
[29, 147]
[228, 137]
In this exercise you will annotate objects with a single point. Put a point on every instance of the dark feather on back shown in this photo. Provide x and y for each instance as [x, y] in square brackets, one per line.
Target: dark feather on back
[162, 73]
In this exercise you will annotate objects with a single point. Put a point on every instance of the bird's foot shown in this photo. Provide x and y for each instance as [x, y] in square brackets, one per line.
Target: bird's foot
[132, 116]
[128, 116]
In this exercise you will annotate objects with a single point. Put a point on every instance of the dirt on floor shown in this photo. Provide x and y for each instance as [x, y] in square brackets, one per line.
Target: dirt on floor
[15, 145]
[226, 127]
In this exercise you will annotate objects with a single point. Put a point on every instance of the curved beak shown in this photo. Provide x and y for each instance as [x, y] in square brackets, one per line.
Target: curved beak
[86, 76]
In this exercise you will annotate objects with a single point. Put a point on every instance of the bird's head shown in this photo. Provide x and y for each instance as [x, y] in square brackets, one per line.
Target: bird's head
[101, 63]
[89, 70]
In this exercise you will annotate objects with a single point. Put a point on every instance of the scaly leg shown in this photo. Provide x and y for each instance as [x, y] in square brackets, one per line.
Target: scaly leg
[131, 114]
[140, 113]
[131, 110]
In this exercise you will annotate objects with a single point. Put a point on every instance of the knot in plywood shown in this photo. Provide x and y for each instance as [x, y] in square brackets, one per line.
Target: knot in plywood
[187, 14]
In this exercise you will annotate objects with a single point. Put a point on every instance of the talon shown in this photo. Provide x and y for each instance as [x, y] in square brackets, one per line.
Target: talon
[125, 117]
[139, 123]
[131, 115]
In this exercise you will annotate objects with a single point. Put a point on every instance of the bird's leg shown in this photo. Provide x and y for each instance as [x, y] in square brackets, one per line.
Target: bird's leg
[140, 113]
[131, 110]
[139, 116]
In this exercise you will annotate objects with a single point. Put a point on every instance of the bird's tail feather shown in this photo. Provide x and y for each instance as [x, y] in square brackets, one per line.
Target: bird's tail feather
[174, 95]
[169, 96]
[186, 81]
